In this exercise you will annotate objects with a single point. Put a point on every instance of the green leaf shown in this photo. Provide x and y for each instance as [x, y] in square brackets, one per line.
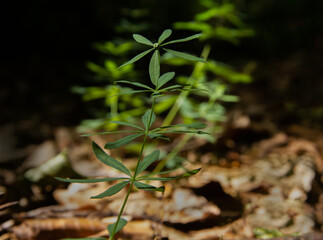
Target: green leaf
[159, 173]
[154, 68]
[135, 84]
[130, 92]
[112, 190]
[121, 224]
[142, 39]
[147, 161]
[147, 187]
[187, 174]
[177, 86]
[114, 132]
[89, 180]
[136, 58]
[122, 141]
[145, 119]
[185, 55]
[164, 35]
[127, 124]
[183, 39]
[183, 131]
[196, 125]
[108, 160]
[165, 78]
[156, 135]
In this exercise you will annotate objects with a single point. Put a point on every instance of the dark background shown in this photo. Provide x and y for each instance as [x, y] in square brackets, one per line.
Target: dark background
[47, 43]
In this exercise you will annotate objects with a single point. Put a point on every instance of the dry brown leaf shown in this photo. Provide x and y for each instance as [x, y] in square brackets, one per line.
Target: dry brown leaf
[56, 228]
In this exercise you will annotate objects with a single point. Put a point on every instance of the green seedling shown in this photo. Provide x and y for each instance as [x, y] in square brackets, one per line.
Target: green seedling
[137, 177]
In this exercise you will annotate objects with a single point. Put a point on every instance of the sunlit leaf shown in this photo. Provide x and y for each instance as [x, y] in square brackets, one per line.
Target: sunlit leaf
[145, 119]
[147, 187]
[147, 161]
[122, 222]
[135, 84]
[136, 58]
[165, 78]
[185, 55]
[108, 160]
[89, 180]
[164, 35]
[183, 39]
[154, 67]
[142, 39]
[112, 190]
[122, 141]
[127, 124]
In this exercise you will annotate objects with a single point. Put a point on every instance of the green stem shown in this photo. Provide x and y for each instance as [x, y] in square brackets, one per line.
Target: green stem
[136, 170]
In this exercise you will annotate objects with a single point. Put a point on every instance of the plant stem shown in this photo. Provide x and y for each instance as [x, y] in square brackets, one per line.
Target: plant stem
[136, 169]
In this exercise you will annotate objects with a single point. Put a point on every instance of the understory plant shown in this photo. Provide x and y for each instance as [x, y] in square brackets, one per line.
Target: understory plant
[146, 131]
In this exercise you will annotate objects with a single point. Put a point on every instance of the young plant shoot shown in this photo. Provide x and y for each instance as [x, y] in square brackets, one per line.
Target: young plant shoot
[135, 177]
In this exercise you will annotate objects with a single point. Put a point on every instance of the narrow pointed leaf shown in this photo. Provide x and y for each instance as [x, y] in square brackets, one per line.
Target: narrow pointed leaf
[165, 78]
[196, 125]
[183, 39]
[183, 131]
[177, 86]
[142, 39]
[154, 68]
[145, 119]
[121, 224]
[187, 174]
[108, 160]
[147, 187]
[147, 161]
[127, 124]
[122, 141]
[130, 92]
[185, 55]
[158, 173]
[95, 180]
[93, 134]
[136, 58]
[136, 84]
[156, 136]
[112, 190]
[164, 35]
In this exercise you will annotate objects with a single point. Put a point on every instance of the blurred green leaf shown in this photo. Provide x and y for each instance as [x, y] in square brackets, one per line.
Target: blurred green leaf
[127, 124]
